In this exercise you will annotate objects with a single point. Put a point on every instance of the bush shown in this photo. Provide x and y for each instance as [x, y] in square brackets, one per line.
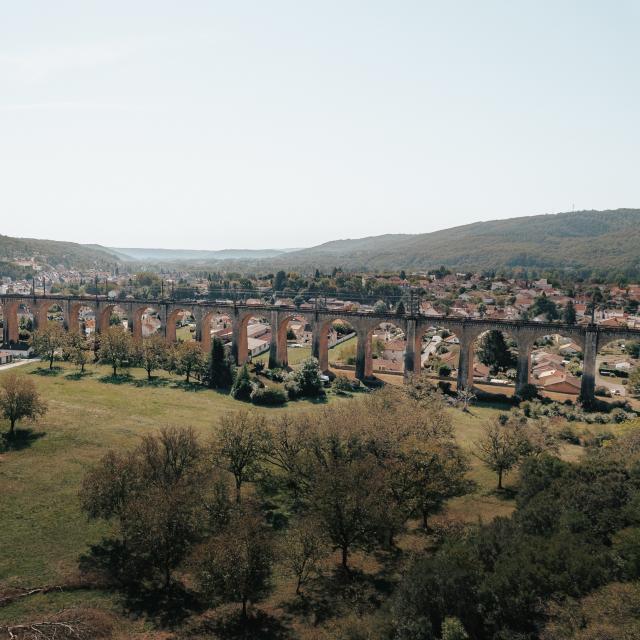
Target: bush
[277, 375]
[444, 370]
[603, 392]
[242, 386]
[528, 392]
[268, 397]
[305, 381]
[342, 383]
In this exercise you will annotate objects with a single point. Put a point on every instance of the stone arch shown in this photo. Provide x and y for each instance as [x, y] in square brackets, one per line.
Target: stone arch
[303, 336]
[26, 318]
[217, 322]
[105, 312]
[82, 318]
[510, 374]
[388, 343]
[176, 315]
[250, 342]
[143, 323]
[439, 345]
[555, 361]
[322, 344]
[613, 364]
[47, 310]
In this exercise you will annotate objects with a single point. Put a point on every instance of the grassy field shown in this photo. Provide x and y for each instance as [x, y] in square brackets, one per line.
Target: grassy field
[43, 530]
[297, 354]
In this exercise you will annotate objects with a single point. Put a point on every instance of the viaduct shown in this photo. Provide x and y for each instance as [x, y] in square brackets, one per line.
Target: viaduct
[589, 337]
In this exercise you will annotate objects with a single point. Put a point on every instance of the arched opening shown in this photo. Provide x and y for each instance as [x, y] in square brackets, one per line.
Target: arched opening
[146, 322]
[53, 313]
[113, 315]
[555, 366]
[295, 339]
[388, 347]
[181, 326]
[616, 360]
[495, 360]
[82, 319]
[338, 347]
[26, 321]
[254, 337]
[440, 353]
[218, 324]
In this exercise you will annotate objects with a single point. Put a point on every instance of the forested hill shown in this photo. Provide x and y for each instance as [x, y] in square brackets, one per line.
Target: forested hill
[589, 240]
[53, 252]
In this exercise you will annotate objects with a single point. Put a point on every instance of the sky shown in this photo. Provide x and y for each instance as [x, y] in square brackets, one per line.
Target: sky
[250, 124]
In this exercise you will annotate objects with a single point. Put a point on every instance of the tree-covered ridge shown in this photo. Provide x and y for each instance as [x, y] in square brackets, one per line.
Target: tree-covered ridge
[53, 252]
[592, 240]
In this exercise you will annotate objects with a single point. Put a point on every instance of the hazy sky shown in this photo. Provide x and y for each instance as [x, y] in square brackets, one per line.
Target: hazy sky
[218, 124]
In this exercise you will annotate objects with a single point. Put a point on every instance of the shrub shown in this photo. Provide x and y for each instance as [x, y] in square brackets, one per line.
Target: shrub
[242, 386]
[528, 392]
[603, 392]
[444, 370]
[342, 383]
[268, 397]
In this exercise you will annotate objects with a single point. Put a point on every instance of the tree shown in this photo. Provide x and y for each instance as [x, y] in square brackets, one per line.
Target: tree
[77, 349]
[188, 359]
[465, 397]
[380, 307]
[437, 476]
[500, 445]
[160, 494]
[494, 352]
[220, 374]
[569, 313]
[308, 378]
[236, 565]
[345, 498]
[152, 353]
[242, 386]
[543, 306]
[239, 446]
[400, 310]
[634, 382]
[115, 347]
[48, 340]
[302, 549]
[453, 629]
[19, 400]
[280, 281]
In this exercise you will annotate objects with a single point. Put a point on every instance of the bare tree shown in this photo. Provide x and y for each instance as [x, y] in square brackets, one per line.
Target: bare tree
[235, 566]
[240, 446]
[302, 549]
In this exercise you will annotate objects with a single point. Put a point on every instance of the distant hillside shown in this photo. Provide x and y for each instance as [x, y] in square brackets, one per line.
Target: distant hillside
[592, 240]
[171, 255]
[53, 252]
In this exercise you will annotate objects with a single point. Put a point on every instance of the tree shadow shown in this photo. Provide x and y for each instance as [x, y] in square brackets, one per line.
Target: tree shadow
[335, 594]
[154, 382]
[21, 439]
[41, 371]
[110, 564]
[232, 626]
[120, 378]
[189, 386]
[78, 375]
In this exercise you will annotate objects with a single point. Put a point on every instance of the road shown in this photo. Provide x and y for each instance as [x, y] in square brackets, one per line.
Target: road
[18, 363]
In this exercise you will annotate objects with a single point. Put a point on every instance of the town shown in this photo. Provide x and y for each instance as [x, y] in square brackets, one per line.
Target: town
[555, 361]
